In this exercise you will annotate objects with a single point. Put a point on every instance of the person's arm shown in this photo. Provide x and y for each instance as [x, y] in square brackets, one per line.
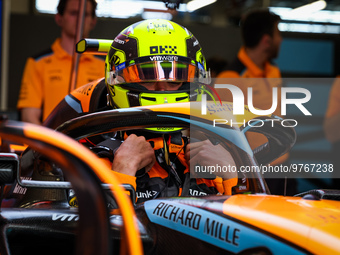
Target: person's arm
[32, 115]
[204, 153]
[122, 178]
[134, 154]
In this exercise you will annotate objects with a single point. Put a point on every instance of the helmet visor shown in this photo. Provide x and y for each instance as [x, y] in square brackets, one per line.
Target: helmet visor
[173, 71]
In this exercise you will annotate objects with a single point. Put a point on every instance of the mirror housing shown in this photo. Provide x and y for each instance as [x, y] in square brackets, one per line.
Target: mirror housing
[9, 165]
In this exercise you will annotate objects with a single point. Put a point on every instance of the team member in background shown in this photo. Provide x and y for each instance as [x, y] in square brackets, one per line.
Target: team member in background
[261, 44]
[46, 77]
[262, 40]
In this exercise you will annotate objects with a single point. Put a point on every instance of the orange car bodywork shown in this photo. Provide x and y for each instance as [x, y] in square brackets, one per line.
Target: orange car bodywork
[310, 224]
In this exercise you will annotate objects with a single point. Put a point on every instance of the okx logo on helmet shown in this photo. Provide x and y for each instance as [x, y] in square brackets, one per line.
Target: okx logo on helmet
[152, 51]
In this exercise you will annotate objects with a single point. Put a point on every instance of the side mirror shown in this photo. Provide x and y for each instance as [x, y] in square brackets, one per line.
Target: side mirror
[9, 164]
[280, 139]
[53, 181]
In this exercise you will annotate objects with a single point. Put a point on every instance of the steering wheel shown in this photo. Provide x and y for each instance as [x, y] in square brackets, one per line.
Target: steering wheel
[146, 117]
[83, 169]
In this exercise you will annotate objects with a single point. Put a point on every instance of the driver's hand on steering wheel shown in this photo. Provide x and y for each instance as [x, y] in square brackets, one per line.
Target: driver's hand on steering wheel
[134, 154]
[205, 154]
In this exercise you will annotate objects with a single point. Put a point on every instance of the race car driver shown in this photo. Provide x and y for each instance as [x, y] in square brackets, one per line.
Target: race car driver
[152, 62]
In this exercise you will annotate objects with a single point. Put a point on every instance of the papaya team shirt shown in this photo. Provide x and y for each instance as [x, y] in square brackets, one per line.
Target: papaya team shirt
[244, 67]
[262, 83]
[46, 78]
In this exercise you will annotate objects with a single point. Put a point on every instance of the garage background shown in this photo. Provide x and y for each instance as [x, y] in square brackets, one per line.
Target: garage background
[311, 53]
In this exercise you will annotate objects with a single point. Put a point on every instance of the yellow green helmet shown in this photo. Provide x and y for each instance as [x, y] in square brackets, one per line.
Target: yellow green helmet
[152, 51]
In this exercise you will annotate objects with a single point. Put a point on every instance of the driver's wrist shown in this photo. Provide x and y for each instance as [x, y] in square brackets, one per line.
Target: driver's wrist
[127, 168]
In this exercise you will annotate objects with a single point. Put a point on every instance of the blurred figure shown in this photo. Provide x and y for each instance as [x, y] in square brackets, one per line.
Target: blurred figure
[216, 65]
[331, 127]
[262, 40]
[46, 77]
[261, 44]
